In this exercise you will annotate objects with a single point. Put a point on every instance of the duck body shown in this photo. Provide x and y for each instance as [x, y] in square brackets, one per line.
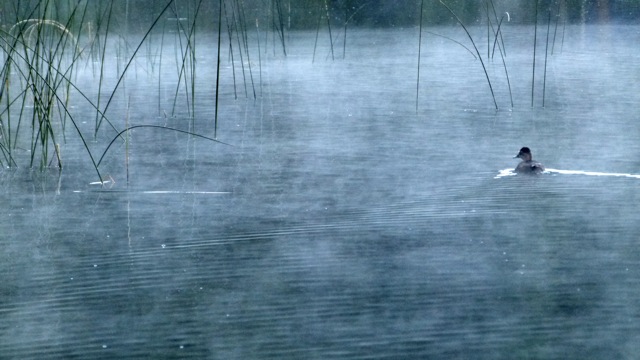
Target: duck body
[528, 166]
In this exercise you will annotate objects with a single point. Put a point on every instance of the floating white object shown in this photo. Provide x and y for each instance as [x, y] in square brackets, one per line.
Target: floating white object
[160, 192]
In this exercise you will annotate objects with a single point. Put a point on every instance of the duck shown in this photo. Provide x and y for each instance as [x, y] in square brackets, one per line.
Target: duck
[528, 166]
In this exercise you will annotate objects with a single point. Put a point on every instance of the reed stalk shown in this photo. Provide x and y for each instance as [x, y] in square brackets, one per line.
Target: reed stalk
[564, 25]
[238, 32]
[347, 20]
[555, 30]
[326, 7]
[43, 54]
[315, 44]
[147, 126]
[181, 54]
[476, 49]
[146, 35]
[504, 63]
[546, 52]
[489, 25]
[419, 55]
[259, 56]
[127, 140]
[187, 61]
[98, 120]
[215, 125]
[278, 8]
[192, 54]
[161, 52]
[495, 15]
[245, 39]
[535, 41]
[231, 53]
[42, 57]
[344, 38]
[453, 40]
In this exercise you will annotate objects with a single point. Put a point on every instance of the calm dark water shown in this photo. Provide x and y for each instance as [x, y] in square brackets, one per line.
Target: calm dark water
[342, 223]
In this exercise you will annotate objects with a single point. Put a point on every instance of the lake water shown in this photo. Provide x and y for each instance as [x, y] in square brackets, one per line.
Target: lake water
[342, 222]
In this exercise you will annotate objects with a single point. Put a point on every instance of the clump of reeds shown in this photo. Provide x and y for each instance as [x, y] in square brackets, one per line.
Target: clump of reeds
[40, 55]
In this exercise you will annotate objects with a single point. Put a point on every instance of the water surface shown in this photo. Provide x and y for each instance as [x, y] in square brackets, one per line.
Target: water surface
[343, 223]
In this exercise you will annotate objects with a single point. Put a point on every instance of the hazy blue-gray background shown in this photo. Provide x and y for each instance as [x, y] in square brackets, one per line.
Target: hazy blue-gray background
[357, 212]
[303, 14]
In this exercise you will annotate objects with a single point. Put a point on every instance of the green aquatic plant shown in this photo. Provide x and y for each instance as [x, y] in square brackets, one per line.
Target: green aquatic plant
[42, 54]
[41, 59]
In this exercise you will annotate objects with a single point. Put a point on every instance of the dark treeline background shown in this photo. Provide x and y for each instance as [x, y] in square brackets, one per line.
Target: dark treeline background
[137, 15]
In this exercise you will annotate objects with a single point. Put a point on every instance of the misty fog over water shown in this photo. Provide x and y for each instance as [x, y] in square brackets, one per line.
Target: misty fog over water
[349, 210]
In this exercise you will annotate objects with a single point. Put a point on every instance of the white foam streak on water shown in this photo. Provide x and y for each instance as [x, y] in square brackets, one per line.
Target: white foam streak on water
[591, 173]
[505, 172]
[183, 192]
[510, 172]
[163, 192]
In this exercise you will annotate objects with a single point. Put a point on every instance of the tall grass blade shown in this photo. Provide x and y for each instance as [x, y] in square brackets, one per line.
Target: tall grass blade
[535, 41]
[215, 124]
[504, 63]
[555, 30]
[236, 22]
[476, 49]
[495, 15]
[103, 52]
[231, 54]
[124, 72]
[153, 127]
[453, 40]
[419, 55]
[564, 25]
[489, 26]
[344, 39]
[315, 44]
[281, 28]
[245, 39]
[348, 19]
[546, 52]
[259, 55]
[326, 7]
